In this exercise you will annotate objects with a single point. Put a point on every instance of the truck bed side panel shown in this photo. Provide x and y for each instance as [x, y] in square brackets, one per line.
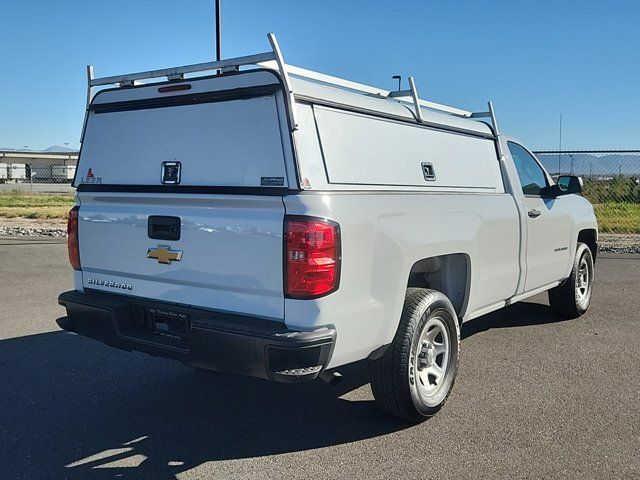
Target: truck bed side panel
[383, 235]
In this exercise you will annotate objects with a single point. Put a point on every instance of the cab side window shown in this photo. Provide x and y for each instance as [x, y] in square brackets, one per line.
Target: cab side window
[532, 177]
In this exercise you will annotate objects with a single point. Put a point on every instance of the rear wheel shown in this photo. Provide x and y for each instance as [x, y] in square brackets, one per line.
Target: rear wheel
[415, 375]
[572, 297]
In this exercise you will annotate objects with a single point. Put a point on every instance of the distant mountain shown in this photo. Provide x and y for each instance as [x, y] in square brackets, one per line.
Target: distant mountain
[56, 148]
[52, 149]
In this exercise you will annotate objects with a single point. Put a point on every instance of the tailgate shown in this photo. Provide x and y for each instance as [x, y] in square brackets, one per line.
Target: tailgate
[230, 250]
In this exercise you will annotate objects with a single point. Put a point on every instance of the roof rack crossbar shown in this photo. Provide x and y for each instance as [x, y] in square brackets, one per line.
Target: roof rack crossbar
[176, 72]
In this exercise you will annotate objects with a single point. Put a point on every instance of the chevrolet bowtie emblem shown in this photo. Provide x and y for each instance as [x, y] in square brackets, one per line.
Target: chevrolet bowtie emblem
[164, 254]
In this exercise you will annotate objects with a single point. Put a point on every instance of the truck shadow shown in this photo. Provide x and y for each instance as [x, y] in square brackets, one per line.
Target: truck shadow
[520, 314]
[74, 408]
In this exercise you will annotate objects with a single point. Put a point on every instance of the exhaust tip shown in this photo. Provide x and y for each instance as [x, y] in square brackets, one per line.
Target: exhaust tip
[65, 324]
[332, 378]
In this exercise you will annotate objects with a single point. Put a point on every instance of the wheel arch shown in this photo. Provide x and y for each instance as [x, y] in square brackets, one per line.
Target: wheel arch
[449, 274]
[589, 236]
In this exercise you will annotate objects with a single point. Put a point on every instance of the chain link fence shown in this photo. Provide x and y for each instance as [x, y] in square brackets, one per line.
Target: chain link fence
[37, 171]
[36, 184]
[611, 183]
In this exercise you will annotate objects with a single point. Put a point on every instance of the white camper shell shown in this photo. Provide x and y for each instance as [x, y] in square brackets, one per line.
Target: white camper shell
[193, 191]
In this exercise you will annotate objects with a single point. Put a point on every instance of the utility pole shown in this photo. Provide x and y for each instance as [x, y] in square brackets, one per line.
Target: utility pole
[560, 145]
[218, 32]
[571, 156]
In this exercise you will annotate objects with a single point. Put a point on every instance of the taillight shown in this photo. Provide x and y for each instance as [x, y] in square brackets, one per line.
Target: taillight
[312, 257]
[72, 238]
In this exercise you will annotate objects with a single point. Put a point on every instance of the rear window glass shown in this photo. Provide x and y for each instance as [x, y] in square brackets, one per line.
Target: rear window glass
[222, 143]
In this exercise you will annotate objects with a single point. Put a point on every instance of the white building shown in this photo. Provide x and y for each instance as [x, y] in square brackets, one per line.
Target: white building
[54, 165]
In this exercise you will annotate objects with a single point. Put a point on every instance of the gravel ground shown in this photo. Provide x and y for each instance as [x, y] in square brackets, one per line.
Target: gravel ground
[23, 227]
[619, 243]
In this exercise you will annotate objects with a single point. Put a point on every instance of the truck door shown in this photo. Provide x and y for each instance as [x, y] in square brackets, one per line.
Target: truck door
[548, 224]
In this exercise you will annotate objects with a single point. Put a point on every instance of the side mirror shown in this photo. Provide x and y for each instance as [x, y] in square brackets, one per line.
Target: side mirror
[565, 185]
[568, 184]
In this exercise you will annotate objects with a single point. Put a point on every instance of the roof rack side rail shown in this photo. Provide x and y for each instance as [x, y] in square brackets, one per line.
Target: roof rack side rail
[403, 95]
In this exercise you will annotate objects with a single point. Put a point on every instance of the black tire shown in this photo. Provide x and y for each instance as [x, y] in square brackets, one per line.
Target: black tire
[393, 375]
[567, 298]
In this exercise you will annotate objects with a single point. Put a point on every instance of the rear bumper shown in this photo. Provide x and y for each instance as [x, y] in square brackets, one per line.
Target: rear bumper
[211, 340]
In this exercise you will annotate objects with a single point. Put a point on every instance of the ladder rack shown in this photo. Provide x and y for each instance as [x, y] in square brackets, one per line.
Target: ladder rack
[275, 61]
[178, 73]
[402, 95]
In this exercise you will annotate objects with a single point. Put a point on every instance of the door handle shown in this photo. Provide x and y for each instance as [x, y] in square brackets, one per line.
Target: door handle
[533, 213]
[163, 228]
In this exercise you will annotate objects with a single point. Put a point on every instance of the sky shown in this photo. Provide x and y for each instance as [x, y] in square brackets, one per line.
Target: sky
[533, 59]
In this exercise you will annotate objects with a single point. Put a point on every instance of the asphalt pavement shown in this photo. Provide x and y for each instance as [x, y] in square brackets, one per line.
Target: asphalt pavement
[536, 397]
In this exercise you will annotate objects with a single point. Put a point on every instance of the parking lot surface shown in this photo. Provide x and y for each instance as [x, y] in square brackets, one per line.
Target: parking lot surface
[536, 396]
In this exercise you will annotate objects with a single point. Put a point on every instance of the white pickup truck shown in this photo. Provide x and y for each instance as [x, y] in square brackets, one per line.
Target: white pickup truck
[279, 223]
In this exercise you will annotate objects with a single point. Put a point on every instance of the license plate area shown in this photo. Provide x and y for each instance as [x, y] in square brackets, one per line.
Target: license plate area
[169, 323]
[168, 327]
